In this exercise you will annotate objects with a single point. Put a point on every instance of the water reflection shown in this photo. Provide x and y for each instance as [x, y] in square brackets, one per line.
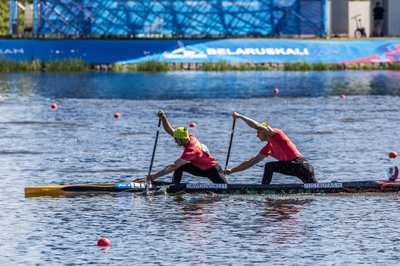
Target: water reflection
[195, 210]
[283, 217]
[187, 85]
[198, 214]
[386, 83]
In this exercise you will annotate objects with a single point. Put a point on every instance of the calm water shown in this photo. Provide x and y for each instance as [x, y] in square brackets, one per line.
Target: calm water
[345, 139]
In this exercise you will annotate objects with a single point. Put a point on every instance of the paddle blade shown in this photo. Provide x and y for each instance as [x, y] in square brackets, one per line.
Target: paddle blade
[139, 180]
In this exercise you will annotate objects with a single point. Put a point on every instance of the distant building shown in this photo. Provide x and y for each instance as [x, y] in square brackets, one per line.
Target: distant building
[344, 15]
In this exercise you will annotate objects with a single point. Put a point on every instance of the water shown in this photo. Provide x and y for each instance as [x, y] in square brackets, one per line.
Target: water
[81, 142]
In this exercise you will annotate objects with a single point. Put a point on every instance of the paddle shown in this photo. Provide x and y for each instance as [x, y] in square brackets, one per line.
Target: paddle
[230, 143]
[154, 150]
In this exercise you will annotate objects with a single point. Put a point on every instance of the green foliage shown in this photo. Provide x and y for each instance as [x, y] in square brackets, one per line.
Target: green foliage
[152, 66]
[394, 66]
[20, 66]
[72, 65]
[77, 65]
[35, 65]
[4, 18]
[219, 66]
[299, 66]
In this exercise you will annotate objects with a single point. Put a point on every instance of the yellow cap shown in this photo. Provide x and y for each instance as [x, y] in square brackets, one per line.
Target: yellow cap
[181, 133]
[265, 124]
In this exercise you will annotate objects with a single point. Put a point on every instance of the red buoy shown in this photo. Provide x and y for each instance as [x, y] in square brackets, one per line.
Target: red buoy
[53, 106]
[104, 242]
[276, 91]
[117, 115]
[192, 124]
[393, 154]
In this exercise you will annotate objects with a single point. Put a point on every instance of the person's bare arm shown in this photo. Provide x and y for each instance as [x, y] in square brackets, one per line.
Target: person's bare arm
[246, 164]
[170, 168]
[167, 126]
[252, 123]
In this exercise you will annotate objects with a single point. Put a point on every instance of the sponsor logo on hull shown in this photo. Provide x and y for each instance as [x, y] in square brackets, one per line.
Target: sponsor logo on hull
[324, 185]
[206, 186]
[133, 185]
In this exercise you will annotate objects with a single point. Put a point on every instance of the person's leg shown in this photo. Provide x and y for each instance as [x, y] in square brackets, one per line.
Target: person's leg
[271, 167]
[300, 168]
[375, 32]
[177, 177]
[380, 24]
[306, 171]
[215, 174]
[190, 168]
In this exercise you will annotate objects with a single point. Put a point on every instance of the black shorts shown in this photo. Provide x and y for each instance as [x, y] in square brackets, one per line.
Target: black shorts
[215, 173]
[298, 167]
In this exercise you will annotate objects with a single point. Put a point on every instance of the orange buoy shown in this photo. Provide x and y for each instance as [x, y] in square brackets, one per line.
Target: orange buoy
[393, 154]
[104, 242]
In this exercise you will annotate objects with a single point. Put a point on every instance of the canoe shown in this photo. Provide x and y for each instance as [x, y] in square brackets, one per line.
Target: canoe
[137, 187]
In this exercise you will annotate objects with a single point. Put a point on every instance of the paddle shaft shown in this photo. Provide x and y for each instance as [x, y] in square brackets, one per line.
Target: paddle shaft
[230, 143]
[155, 145]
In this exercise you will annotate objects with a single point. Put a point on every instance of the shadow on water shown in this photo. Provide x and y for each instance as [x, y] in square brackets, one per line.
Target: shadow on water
[187, 85]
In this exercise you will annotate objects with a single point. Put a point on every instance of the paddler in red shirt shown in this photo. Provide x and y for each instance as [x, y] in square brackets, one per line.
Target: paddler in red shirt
[195, 158]
[290, 160]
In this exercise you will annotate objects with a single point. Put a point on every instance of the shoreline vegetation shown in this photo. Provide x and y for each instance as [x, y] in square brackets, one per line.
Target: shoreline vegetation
[77, 65]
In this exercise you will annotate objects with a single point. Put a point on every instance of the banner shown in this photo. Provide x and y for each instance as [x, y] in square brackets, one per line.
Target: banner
[201, 51]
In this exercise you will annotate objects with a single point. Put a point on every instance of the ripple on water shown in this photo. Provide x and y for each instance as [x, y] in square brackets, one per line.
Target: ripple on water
[81, 142]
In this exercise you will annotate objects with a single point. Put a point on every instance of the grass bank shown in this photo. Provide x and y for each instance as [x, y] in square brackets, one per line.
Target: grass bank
[73, 65]
[76, 65]
[154, 66]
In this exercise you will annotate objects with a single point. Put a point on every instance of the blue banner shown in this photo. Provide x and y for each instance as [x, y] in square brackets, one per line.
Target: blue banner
[200, 51]
[183, 17]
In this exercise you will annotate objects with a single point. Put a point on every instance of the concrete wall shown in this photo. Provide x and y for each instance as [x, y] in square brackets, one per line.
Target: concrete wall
[362, 8]
[392, 17]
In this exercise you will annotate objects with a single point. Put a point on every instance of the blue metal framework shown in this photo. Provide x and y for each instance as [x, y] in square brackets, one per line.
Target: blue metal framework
[13, 16]
[182, 17]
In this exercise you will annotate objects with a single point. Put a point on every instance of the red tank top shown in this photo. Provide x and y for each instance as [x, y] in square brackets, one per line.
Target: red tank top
[198, 154]
[280, 147]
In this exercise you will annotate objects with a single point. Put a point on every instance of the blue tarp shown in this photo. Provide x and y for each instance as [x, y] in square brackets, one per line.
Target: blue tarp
[199, 51]
[183, 17]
